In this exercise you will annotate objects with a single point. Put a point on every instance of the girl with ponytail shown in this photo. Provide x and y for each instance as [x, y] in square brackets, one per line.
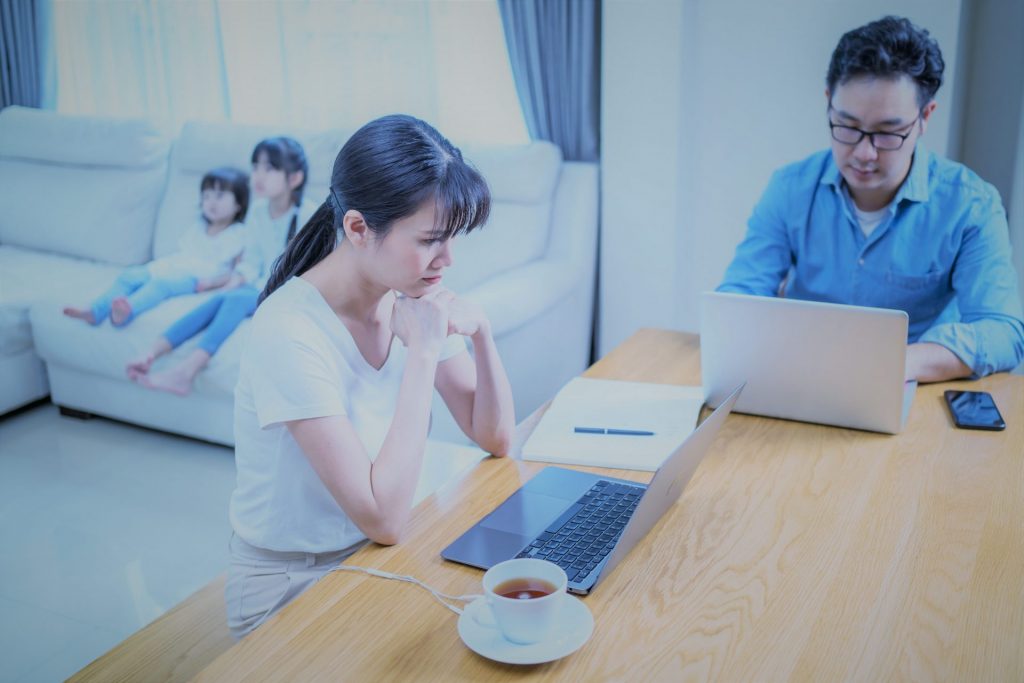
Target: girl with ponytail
[279, 171]
[353, 333]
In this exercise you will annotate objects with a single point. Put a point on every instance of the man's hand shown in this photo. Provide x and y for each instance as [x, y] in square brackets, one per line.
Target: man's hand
[928, 362]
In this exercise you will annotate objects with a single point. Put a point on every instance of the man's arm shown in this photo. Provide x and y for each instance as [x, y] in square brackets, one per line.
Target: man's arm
[990, 335]
[930, 362]
[764, 257]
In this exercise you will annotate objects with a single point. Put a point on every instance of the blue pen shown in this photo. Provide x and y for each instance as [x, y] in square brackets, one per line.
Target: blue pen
[614, 432]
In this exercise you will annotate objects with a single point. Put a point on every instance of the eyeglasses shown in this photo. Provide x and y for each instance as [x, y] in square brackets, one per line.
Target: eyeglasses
[848, 135]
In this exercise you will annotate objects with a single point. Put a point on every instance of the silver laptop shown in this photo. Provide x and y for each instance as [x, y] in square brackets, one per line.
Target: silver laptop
[583, 522]
[805, 360]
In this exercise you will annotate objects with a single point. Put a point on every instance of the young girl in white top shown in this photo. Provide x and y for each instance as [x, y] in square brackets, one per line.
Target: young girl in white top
[353, 335]
[207, 255]
[279, 170]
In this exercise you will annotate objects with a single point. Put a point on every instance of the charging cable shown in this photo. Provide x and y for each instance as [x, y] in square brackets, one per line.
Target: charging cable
[442, 598]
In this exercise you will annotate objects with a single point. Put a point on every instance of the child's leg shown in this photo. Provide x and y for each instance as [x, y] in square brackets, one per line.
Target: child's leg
[127, 282]
[177, 380]
[124, 309]
[141, 365]
[177, 334]
[193, 322]
[238, 305]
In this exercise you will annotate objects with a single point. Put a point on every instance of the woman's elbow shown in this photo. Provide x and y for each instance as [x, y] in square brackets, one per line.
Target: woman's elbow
[385, 538]
[497, 444]
[384, 531]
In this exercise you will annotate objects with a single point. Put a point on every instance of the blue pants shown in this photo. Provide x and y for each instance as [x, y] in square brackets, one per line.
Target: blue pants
[219, 316]
[142, 290]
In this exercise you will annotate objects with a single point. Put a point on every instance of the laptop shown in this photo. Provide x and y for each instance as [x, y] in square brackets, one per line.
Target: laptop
[804, 360]
[585, 523]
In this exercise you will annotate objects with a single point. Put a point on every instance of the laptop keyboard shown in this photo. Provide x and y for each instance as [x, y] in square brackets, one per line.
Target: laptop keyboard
[585, 533]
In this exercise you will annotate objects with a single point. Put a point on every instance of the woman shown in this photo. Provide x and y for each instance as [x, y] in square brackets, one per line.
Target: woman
[352, 335]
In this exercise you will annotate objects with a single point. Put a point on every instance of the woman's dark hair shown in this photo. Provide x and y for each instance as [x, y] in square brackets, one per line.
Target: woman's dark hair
[234, 181]
[286, 154]
[386, 171]
[888, 48]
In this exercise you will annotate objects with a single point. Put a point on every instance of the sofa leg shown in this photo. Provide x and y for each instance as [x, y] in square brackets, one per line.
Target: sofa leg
[77, 414]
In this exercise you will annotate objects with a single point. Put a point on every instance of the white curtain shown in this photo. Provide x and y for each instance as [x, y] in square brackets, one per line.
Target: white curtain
[302, 63]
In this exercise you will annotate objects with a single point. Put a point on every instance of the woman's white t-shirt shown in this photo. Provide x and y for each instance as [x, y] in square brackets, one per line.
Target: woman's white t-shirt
[301, 362]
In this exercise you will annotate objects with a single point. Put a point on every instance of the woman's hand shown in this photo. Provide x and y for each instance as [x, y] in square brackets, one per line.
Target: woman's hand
[422, 323]
[466, 317]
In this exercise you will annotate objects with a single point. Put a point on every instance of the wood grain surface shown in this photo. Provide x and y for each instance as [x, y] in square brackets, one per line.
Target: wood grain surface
[797, 552]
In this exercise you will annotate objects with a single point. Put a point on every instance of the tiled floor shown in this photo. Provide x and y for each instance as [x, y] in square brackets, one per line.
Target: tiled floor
[103, 527]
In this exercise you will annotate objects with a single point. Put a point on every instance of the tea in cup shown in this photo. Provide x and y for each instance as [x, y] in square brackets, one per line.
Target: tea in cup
[526, 597]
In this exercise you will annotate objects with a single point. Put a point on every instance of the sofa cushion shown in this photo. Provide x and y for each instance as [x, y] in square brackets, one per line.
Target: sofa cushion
[28, 277]
[78, 185]
[203, 146]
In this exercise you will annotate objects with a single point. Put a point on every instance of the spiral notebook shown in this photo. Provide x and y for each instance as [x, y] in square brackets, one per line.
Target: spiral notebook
[668, 411]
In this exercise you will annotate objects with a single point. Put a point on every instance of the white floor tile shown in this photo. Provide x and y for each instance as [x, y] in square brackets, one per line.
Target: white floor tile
[32, 639]
[74, 657]
[111, 526]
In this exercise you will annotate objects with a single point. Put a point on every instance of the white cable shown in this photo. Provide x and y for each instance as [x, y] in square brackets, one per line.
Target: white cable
[438, 595]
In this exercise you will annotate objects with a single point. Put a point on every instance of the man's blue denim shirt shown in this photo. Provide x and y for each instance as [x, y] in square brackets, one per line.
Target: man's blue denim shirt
[942, 255]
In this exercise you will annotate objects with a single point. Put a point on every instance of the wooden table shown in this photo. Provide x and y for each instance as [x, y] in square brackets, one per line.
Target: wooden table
[798, 551]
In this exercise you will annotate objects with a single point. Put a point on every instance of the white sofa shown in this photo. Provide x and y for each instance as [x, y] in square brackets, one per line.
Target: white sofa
[83, 197]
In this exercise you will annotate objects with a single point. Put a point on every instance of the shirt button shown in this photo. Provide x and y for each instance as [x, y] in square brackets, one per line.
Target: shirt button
[860, 262]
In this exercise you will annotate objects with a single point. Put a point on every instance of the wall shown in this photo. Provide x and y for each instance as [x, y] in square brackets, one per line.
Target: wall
[701, 101]
[992, 139]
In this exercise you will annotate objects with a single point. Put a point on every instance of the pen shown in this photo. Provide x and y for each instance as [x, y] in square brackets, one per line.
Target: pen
[616, 432]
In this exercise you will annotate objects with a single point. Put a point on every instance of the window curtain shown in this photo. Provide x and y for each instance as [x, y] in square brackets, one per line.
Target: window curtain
[554, 47]
[310, 64]
[20, 73]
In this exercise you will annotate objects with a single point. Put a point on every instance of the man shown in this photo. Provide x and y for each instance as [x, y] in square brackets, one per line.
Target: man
[880, 221]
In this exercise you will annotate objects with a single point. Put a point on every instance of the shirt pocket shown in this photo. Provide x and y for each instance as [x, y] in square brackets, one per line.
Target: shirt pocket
[922, 296]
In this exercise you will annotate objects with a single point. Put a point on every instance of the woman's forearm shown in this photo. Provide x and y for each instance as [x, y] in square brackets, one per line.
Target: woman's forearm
[493, 407]
[396, 470]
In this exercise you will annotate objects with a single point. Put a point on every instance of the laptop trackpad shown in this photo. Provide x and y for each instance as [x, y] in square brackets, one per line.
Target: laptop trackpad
[485, 548]
[526, 513]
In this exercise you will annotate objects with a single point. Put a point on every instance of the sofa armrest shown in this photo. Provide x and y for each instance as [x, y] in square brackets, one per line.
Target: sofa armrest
[515, 297]
[574, 214]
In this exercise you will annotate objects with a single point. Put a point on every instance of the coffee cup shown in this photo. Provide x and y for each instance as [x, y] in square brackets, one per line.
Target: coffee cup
[525, 596]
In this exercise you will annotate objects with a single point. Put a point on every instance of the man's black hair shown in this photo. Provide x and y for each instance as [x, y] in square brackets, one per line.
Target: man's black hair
[888, 48]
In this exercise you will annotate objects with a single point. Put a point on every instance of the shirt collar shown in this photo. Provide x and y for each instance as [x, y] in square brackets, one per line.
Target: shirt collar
[914, 188]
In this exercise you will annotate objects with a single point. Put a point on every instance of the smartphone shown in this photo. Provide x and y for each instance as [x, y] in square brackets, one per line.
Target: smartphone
[974, 410]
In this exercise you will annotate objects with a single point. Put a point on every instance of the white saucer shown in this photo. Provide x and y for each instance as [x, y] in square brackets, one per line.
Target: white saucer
[576, 625]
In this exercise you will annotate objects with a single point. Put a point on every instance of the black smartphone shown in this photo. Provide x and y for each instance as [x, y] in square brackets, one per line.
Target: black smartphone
[974, 410]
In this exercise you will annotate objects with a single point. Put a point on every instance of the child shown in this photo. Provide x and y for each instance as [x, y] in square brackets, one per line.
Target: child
[207, 254]
[332, 405]
[279, 170]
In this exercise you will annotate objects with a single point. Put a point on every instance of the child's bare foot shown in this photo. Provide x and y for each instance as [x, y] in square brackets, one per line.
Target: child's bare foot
[80, 313]
[140, 366]
[120, 311]
[175, 381]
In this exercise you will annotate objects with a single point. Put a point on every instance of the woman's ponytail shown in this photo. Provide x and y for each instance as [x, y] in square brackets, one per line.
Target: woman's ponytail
[311, 245]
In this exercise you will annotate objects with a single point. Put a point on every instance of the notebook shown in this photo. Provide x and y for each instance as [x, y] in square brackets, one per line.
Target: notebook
[669, 411]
